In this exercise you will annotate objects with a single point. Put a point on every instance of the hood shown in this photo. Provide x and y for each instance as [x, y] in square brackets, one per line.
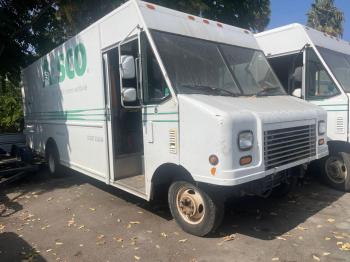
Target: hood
[270, 109]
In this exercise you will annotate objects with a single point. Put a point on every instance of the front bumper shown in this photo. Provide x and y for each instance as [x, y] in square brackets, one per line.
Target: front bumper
[245, 175]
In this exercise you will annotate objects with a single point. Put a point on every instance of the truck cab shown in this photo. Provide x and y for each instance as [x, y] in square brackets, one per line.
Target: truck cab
[315, 67]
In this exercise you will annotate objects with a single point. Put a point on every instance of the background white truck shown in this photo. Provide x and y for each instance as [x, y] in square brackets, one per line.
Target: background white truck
[316, 67]
[149, 99]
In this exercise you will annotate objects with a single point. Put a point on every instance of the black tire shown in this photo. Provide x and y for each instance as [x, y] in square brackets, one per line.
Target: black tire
[53, 161]
[335, 170]
[212, 210]
[285, 187]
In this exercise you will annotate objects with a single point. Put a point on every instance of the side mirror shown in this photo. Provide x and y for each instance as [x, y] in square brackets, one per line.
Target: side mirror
[127, 67]
[297, 92]
[129, 94]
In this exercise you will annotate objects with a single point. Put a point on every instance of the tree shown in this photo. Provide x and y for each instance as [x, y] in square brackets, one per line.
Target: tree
[326, 17]
[11, 114]
[29, 29]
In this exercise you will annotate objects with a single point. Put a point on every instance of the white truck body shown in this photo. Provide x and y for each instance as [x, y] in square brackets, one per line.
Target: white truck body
[284, 45]
[69, 99]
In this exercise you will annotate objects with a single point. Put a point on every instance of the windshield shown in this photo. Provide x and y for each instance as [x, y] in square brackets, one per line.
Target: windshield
[339, 64]
[197, 66]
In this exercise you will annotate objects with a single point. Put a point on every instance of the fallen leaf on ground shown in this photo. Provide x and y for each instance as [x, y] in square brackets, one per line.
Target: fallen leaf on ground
[319, 226]
[275, 259]
[326, 253]
[316, 258]
[100, 236]
[92, 209]
[59, 243]
[49, 250]
[327, 238]
[137, 258]
[229, 238]
[164, 235]
[281, 238]
[119, 239]
[71, 222]
[345, 247]
[49, 199]
[134, 222]
[330, 220]
[301, 228]
[339, 237]
[183, 240]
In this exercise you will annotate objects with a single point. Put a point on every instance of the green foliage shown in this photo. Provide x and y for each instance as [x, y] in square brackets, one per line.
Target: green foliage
[324, 16]
[11, 113]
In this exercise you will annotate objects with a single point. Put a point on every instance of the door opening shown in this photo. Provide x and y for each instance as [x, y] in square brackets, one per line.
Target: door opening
[126, 124]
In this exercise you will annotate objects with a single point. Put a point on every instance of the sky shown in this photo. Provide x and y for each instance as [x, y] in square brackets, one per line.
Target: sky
[284, 12]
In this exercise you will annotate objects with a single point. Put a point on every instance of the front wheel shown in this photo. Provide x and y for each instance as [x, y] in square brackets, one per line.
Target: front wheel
[195, 211]
[335, 171]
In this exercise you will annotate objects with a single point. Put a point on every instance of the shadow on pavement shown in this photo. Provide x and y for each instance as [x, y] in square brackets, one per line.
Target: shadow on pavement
[269, 218]
[14, 248]
[252, 216]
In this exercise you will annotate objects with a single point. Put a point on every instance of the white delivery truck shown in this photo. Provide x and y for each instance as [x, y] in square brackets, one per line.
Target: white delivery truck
[316, 67]
[150, 99]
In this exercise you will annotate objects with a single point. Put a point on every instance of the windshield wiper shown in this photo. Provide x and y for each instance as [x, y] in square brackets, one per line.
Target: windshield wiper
[267, 90]
[211, 89]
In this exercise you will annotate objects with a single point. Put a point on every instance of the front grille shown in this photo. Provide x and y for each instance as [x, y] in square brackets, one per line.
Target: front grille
[287, 145]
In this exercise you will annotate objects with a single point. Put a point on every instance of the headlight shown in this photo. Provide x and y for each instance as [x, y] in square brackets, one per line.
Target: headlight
[245, 140]
[322, 128]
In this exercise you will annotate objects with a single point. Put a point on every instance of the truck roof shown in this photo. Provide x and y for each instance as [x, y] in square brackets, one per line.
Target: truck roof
[291, 38]
[114, 26]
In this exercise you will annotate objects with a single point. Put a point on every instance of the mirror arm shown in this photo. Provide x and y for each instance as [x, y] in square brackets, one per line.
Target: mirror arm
[139, 80]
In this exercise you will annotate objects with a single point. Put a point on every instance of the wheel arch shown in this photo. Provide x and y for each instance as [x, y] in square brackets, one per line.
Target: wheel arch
[335, 146]
[164, 175]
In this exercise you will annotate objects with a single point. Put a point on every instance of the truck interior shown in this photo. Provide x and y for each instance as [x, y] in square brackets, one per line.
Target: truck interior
[318, 82]
[126, 124]
[126, 118]
[284, 69]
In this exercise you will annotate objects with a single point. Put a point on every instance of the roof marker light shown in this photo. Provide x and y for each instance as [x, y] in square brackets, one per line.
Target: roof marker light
[219, 25]
[191, 17]
[205, 21]
[150, 6]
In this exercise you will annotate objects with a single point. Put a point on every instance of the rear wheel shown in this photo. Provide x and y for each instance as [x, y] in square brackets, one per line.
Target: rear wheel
[53, 161]
[335, 170]
[195, 211]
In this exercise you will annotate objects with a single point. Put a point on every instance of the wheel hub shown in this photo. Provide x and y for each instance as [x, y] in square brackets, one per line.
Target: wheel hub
[190, 205]
[336, 169]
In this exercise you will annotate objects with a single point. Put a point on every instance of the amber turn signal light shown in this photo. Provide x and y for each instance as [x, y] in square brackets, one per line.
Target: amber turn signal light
[321, 141]
[245, 160]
